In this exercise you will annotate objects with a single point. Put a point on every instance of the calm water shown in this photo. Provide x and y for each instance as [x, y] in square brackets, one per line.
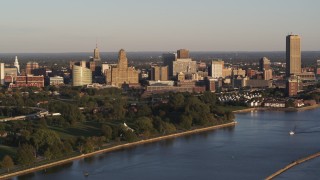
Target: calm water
[255, 148]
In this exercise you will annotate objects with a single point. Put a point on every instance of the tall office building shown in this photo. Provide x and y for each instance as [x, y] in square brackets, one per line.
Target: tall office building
[293, 55]
[2, 74]
[31, 66]
[159, 73]
[267, 74]
[16, 64]
[168, 59]
[96, 54]
[183, 53]
[264, 64]
[179, 62]
[317, 69]
[122, 74]
[216, 68]
[81, 75]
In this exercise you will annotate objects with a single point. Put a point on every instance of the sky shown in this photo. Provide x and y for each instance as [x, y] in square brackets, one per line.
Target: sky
[46, 26]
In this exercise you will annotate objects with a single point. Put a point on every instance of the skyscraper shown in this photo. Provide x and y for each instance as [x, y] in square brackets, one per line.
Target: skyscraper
[122, 74]
[2, 73]
[293, 55]
[168, 59]
[183, 53]
[31, 66]
[16, 64]
[96, 54]
[159, 73]
[81, 75]
[216, 68]
[264, 64]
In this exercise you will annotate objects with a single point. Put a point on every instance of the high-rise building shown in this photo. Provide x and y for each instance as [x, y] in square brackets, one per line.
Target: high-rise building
[179, 62]
[159, 73]
[16, 64]
[96, 54]
[122, 74]
[317, 69]
[267, 74]
[2, 74]
[264, 64]
[168, 59]
[293, 55]
[31, 66]
[81, 75]
[186, 66]
[183, 53]
[216, 68]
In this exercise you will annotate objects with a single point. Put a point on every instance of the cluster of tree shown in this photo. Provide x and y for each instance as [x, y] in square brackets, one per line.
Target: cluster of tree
[23, 97]
[70, 113]
[15, 111]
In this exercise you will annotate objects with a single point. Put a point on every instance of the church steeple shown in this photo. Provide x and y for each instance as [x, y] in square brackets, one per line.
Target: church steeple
[16, 64]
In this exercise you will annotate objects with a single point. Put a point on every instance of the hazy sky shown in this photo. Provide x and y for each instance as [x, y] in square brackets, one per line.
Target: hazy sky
[156, 25]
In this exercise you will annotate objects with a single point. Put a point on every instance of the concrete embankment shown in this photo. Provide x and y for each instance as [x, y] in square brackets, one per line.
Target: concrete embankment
[114, 148]
[291, 165]
[278, 109]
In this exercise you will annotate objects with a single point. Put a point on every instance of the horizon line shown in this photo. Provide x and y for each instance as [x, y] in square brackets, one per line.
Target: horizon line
[160, 51]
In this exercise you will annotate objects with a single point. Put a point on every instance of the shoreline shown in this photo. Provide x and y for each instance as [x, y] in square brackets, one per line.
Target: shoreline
[114, 148]
[293, 164]
[278, 109]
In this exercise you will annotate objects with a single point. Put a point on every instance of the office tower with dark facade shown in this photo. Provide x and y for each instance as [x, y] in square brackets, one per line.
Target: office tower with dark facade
[264, 64]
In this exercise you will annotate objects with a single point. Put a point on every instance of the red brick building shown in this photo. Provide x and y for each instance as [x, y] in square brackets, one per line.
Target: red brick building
[292, 87]
[28, 81]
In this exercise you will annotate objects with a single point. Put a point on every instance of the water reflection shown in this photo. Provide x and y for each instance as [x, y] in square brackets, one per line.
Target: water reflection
[26, 176]
[57, 169]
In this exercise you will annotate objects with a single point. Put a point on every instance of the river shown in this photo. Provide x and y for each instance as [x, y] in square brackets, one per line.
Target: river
[256, 147]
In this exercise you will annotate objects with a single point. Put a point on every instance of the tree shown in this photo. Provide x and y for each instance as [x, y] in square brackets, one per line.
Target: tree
[26, 154]
[129, 136]
[144, 124]
[209, 98]
[44, 138]
[185, 121]
[7, 163]
[106, 131]
[144, 110]
[177, 100]
[229, 115]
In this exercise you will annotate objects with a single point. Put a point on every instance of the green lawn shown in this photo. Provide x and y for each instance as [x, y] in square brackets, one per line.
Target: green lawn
[85, 129]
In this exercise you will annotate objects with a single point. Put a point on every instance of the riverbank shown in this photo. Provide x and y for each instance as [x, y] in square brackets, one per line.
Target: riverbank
[114, 148]
[291, 165]
[278, 109]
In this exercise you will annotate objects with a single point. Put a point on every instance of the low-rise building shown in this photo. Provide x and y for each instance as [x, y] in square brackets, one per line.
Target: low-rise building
[56, 81]
[28, 81]
[275, 104]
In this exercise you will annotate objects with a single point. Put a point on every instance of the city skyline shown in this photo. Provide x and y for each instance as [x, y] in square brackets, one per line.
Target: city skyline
[75, 26]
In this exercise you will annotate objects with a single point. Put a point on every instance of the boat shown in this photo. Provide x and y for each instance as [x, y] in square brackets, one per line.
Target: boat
[292, 132]
[86, 173]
